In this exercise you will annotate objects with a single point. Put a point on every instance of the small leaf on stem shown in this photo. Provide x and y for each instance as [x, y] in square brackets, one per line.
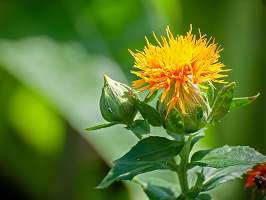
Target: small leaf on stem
[222, 103]
[140, 127]
[149, 99]
[148, 112]
[101, 126]
[239, 102]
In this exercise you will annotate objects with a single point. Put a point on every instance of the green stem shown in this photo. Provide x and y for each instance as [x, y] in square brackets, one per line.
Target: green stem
[182, 169]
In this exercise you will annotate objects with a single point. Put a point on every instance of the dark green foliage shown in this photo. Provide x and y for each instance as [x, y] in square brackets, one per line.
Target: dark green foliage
[140, 127]
[129, 171]
[149, 99]
[222, 103]
[157, 188]
[149, 113]
[152, 149]
[174, 122]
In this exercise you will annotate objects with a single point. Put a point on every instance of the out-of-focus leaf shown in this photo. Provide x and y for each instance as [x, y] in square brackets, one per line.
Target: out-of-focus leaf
[157, 188]
[149, 99]
[65, 75]
[228, 156]
[40, 127]
[101, 126]
[263, 197]
[148, 112]
[222, 103]
[140, 127]
[129, 171]
[152, 149]
[239, 102]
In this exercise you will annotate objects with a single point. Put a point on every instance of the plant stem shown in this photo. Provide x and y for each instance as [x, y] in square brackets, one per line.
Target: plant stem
[182, 169]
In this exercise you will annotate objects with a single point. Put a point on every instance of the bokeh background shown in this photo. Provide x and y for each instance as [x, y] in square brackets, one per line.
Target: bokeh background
[53, 55]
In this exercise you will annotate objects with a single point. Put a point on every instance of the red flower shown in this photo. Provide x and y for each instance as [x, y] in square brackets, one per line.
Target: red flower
[256, 177]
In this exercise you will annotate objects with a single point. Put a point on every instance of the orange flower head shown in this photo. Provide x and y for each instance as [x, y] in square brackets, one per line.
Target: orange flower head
[181, 60]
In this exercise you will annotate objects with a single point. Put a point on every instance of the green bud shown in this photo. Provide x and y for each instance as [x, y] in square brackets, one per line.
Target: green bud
[191, 116]
[115, 102]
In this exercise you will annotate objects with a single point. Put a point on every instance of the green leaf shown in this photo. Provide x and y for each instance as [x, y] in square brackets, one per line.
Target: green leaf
[129, 171]
[239, 102]
[197, 137]
[191, 194]
[149, 99]
[194, 195]
[204, 197]
[181, 197]
[214, 177]
[208, 92]
[139, 126]
[152, 149]
[175, 136]
[193, 176]
[209, 178]
[101, 126]
[168, 198]
[157, 188]
[174, 122]
[149, 113]
[222, 103]
[228, 156]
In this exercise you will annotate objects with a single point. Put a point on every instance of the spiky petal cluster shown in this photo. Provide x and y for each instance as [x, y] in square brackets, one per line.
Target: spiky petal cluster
[181, 59]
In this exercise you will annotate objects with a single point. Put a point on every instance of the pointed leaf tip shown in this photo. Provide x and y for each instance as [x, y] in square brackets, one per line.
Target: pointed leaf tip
[239, 102]
[100, 126]
[254, 97]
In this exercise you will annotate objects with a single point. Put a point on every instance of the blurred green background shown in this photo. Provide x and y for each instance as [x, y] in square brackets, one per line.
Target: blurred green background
[53, 55]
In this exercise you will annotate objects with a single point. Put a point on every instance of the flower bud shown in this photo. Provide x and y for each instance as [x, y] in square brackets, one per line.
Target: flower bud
[191, 105]
[115, 102]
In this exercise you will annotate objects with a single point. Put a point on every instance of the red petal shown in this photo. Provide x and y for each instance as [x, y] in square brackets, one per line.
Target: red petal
[261, 167]
[249, 181]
